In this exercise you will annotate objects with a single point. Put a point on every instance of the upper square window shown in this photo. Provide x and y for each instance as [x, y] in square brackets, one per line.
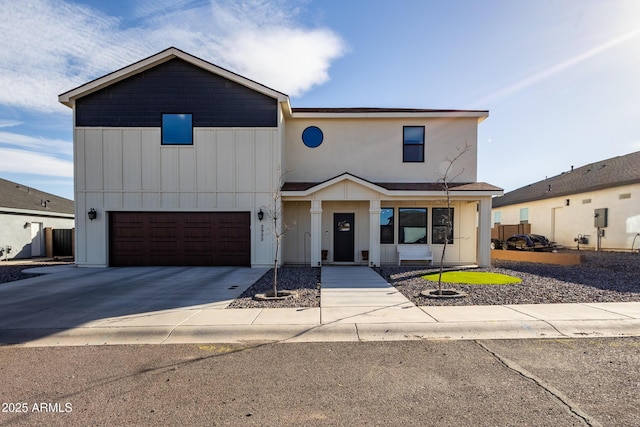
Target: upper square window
[413, 144]
[177, 129]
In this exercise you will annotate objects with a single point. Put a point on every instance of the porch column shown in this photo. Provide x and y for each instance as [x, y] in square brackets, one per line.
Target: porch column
[484, 233]
[374, 233]
[316, 233]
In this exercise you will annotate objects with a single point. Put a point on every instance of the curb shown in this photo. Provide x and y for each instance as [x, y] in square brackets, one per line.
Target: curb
[343, 332]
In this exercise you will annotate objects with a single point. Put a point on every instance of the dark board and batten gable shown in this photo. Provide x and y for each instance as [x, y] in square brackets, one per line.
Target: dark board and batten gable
[176, 86]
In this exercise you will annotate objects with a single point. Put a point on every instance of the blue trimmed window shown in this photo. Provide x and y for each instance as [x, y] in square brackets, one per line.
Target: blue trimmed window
[413, 144]
[177, 129]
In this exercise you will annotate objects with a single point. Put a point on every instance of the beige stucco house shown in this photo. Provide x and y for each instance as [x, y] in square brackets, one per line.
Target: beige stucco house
[594, 206]
[185, 163]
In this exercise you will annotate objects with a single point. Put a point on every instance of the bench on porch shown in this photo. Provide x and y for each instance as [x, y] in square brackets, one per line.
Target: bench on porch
[414, 253]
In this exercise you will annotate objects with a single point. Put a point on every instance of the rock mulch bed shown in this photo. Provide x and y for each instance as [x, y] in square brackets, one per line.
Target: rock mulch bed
[14, 271]
[602, 277]
[303, 280]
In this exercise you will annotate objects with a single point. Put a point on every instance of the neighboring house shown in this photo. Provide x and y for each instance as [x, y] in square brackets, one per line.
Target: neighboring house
[576, 204]
[24, 214]
[182, 161]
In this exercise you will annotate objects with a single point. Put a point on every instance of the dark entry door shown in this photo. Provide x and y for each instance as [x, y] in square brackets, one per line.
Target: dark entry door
[343, 237]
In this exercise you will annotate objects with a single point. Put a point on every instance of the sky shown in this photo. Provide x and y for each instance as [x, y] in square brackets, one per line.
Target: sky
[560, 78]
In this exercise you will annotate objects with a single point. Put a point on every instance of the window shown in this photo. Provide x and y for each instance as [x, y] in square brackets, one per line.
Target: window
[413, 144]
[625, 196]
[524, 216]
[586, 201]
[386, 225]
[412, 226]
[442, 225]
[177, 129]
[497, 217]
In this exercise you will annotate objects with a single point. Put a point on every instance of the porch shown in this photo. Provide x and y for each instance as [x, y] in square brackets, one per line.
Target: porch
[348, 220]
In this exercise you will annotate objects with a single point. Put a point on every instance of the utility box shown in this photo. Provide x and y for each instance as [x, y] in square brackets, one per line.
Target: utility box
[600, 218]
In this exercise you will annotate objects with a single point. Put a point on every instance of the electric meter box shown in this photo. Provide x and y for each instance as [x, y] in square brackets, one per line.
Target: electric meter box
[600, 218]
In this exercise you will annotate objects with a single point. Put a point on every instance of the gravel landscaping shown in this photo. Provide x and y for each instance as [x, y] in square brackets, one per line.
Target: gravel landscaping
[602, 277]
[10, 271]
[303, 280]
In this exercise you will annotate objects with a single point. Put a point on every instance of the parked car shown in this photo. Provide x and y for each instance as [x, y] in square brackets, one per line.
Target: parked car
[496, 244]
[528, 242]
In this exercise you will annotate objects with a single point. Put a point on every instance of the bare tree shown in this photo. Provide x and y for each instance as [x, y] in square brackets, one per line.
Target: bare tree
[446, 180]
[275, 213]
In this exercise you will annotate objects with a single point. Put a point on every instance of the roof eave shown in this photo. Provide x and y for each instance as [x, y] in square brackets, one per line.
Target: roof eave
[554, 194]
[391, 193]
[479, 115]
[68, 98]
[33, 212]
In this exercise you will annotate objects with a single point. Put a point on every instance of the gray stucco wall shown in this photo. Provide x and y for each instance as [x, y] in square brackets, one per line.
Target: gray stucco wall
[16, 231]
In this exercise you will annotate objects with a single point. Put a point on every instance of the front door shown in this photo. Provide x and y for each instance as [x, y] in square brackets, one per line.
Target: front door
[343, 237]
[37, 238]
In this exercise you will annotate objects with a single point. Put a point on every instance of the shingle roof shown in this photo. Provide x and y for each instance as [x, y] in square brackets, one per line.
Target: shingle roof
[614, 172]
[17, 196]
[400, 186]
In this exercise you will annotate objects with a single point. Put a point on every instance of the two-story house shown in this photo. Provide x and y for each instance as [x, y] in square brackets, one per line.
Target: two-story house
[181, 162]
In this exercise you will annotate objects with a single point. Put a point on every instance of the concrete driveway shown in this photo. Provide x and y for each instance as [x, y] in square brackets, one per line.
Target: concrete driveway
[71, 296]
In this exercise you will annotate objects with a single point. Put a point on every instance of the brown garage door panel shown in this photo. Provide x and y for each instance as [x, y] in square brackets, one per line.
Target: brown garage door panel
[180, 238]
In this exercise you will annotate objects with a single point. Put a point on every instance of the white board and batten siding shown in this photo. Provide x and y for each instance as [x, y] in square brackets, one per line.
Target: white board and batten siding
[128, 169]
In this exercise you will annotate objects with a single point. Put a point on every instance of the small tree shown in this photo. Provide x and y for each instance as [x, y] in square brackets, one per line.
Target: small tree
[275, 213]
[446, 180]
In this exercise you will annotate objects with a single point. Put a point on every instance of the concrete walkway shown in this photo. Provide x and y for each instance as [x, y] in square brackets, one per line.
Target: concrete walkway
[75, 306]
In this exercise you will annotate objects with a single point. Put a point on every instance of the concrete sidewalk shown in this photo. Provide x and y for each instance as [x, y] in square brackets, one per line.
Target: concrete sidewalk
[357, 305]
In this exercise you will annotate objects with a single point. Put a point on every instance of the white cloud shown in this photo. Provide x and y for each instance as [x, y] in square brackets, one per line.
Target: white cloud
[53, 46]
[20, 161]
[9, 123]
[55, 147]
[263, 56]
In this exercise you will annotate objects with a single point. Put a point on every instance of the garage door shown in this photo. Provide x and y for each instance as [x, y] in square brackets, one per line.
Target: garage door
[179, 238]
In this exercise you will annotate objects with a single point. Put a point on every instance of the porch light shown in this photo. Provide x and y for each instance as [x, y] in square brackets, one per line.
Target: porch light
[92, 214]
[260, 215]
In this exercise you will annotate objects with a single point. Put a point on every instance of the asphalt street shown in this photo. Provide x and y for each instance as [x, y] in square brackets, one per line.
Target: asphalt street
[541, 382]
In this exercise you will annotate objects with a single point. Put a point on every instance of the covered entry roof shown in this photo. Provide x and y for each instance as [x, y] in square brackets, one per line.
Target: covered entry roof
[390, 188]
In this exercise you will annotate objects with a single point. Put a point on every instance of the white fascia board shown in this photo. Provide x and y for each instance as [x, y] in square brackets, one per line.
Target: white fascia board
[36, 213]
[68, 98]
[392, 115]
